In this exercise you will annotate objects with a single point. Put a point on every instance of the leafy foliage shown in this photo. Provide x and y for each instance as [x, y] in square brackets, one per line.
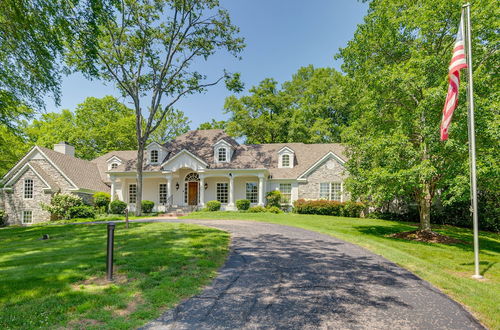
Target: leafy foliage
[213, 206]
[117, 207]
[326, 207]
[102, 200]
[147, 206]
[257, 209]
[273, 198]
[2, 218]
[81, 212]
[242, 204]
[60, 205]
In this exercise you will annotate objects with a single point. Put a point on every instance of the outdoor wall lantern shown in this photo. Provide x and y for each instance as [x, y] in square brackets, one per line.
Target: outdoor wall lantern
[206, 186]
[177, 186]
[230, 175]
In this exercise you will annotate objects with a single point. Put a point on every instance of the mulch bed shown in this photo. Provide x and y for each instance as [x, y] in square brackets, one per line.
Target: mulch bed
[427, 236]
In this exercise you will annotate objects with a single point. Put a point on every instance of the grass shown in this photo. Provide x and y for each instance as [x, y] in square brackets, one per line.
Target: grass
[448, 267]
[59, 283]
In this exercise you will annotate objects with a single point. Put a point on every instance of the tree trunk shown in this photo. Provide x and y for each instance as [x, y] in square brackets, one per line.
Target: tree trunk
[424, 208]
[140, 161]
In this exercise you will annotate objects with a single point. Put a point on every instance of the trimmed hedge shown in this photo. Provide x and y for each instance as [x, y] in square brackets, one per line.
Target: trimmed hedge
[274, 209]
[117, 207]
[102, 200]
[257, 209]
[147, 206]
[83, 212]
[242, 204]
[213, 206]
[325, 207]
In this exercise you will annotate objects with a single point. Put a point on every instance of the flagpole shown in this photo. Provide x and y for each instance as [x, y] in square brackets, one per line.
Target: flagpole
[472, 147]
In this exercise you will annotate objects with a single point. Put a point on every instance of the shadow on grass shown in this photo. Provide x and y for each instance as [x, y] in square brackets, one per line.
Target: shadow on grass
[37, 277]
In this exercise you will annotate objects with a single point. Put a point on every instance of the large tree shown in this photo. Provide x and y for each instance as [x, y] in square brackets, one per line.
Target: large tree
[312, 107]
[399, 60]
[147, 48]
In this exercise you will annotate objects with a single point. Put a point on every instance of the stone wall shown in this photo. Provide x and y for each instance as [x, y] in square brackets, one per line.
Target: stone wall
[15, 204]
[329, 171]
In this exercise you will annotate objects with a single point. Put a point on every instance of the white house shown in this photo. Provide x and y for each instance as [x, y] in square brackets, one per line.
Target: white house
[196, 167]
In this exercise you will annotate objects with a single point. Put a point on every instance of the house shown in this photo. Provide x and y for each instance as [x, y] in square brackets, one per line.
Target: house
[196, 167]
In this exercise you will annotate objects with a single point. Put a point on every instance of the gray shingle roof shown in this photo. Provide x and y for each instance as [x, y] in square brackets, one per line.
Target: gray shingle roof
[83, 173]
[200, 143]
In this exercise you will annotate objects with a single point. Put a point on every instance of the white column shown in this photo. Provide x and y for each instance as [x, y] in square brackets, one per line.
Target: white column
[202, 191]
[261, 190]
[169, 185]
[113, 189]
[231, 192]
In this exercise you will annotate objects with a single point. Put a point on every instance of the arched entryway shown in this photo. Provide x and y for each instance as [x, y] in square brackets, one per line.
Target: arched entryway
[192, 188]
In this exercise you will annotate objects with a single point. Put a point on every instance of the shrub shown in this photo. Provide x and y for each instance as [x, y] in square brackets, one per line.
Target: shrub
[2, 218]
[213, 206]
[242, 204]
[102, 200]
[147, 206]
[117, 207]
[84, 212]
[274, 209]
[257, 209]
[60, 204]
[353, 209]
[273, 198]
[321, 207]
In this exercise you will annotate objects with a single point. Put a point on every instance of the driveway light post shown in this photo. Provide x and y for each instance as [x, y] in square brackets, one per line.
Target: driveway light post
[111, 243]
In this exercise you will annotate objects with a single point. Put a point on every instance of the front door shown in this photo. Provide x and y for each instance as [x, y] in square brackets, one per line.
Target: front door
[192, 193]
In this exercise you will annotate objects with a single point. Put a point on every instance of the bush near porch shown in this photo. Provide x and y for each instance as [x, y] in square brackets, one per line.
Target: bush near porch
[448, 267]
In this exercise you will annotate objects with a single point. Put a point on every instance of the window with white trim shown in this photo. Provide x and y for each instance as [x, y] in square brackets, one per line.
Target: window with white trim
[222, 192]
[331, 191]
[114, 166]
[162, 193]
[28, 188]
[132, 193]
[27, 217]
[286, 192]
[222, 154]
[285, 161]
[154, 156]
[252, 192]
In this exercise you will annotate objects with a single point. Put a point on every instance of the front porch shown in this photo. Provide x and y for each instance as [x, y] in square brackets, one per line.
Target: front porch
[186, 187]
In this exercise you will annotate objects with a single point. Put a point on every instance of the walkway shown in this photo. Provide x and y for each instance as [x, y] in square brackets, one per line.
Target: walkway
[280, 277]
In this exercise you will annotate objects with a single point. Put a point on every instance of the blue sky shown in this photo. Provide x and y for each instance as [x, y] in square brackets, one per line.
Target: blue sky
[281, 36]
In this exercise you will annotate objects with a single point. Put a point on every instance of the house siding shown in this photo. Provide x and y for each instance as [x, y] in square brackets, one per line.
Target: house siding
[15, 204]
[329, 171]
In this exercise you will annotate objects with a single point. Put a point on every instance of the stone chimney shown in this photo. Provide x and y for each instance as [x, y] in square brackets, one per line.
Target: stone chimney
[65, 148]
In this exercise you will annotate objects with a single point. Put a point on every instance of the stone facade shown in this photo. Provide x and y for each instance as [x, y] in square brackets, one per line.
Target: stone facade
[329, 171]
[15, 203]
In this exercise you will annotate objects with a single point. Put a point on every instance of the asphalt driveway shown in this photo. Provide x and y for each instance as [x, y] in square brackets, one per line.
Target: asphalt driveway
[280, 277]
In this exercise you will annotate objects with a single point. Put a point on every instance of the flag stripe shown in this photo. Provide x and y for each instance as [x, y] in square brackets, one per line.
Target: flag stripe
[458, 62]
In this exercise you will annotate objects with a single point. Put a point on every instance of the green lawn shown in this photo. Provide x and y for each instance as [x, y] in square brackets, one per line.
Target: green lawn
[448, 267]
[59, 283]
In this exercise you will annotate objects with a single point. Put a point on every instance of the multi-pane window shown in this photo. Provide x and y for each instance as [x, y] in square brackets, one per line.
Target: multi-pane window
[28, 188]
[114, 165]
[27, 217]
[331, 191]
[162, 198]
[285, 160]
[132, 193]
[221, 154]
[222, 192]
[252, 192]
[154, 156]
[286, 192]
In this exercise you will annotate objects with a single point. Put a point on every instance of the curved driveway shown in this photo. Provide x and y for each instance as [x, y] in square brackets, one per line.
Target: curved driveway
[280, 277]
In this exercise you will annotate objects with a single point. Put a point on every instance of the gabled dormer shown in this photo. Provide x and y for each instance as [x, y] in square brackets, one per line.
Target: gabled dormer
[286, 157]
[113, 163]
[155, 153]
[223, 152]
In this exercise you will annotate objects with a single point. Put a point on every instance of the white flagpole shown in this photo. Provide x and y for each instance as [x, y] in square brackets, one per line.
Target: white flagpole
[472, 146]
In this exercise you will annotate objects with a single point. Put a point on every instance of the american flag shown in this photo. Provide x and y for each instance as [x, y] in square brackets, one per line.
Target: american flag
[457, 63]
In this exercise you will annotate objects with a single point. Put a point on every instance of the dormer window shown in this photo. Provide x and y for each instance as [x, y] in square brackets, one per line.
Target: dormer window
[285, 160]
[154, 156]
[114, 166]
[222, 155]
